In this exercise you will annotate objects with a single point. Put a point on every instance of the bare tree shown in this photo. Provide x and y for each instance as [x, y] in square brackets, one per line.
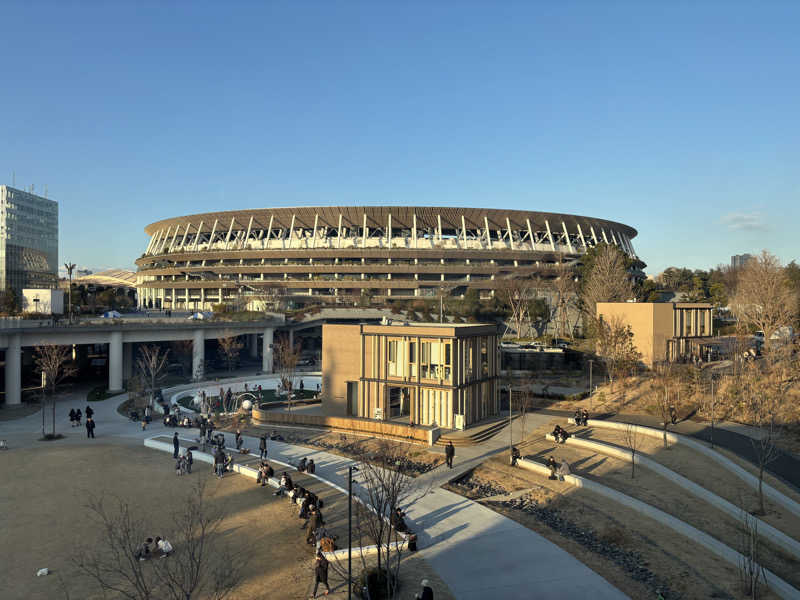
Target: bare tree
[752, 575]
[664, 405]
[632, 441]
[287, 356]
[518, 294]
[606, 280]
[615, 347]
[202, 566]
[763, 386]
[51, 362]
[565, 288]
[764, 299]
[229, 348]
[152, 364]
[384, 489]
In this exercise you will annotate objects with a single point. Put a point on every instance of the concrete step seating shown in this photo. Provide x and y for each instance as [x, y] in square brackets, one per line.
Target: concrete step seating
[675, 438]
[776, 584]
[770, 533]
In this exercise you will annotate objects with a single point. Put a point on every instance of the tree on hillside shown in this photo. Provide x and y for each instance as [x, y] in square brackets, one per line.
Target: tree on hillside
[229, 349]
[764, 299]
[152, 364]
[615, 347]
[203, 565]
[52, 363]
[633, 440]
[664, 405]
[518, 294]
[605, 278]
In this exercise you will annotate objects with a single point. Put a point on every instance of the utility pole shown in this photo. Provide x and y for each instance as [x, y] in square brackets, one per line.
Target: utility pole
[510, 428]
[69, 267]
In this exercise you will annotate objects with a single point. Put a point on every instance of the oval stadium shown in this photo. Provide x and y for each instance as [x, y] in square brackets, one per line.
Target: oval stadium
[342, 253]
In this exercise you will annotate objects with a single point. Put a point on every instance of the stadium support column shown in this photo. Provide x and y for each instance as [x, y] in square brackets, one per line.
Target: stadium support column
[13, 370]
[115, 362]
[266, 355]
[198, 355]
[253, 343]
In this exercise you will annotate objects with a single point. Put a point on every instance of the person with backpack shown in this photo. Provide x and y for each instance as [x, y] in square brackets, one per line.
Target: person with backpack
[321, 573]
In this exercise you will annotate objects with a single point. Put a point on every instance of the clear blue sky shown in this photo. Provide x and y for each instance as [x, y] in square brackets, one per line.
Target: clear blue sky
[681, 119]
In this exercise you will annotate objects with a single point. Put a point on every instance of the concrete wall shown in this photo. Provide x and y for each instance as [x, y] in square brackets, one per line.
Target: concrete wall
[341, 362]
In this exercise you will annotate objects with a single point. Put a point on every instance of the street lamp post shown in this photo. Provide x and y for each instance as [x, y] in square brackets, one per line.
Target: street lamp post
[590, 384]
[69, 267]
[510, 429]
[350, 530]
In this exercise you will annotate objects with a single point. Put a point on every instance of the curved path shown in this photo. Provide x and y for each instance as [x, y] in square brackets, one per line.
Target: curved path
[477, 552]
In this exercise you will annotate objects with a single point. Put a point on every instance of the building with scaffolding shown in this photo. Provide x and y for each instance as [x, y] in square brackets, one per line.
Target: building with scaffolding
[343, 253]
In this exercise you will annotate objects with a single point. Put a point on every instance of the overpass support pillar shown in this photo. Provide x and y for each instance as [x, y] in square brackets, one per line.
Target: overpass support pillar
[253, 343]
[14, 371]
[115, 362]
[127, 361]
[266, 356]
[198, 355]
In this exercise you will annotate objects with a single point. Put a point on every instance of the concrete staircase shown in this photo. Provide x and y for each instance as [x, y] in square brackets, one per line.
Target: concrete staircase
[474, 435]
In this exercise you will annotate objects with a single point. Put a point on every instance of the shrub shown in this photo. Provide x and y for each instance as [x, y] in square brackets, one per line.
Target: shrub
[375, 582]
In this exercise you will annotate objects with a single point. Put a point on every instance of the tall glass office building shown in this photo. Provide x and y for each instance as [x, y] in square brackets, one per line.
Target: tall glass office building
[28, 240]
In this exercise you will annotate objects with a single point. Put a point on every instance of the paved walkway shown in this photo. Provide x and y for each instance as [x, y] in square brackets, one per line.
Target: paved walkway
[477, 552]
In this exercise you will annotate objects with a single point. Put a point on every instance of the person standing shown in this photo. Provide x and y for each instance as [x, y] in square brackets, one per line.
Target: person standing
[189, 461]
[262, 446]
[449, 453]
[176, 445]
[238, 439]
[425, 592]
[72, 417]
[78, 417]
[89, 412]
[219, 463]
[90, 428]
[321, 573]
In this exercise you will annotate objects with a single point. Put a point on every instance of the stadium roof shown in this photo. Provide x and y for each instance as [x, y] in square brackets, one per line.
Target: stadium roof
[111, 277]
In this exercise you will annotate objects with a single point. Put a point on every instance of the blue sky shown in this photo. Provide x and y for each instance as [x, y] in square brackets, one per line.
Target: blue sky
[678, 118]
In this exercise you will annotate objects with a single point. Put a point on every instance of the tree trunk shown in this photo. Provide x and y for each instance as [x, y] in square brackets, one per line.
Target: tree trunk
[760, 488]
[53, 401]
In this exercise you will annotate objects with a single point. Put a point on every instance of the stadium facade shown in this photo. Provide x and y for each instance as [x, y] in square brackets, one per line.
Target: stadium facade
[341, 253]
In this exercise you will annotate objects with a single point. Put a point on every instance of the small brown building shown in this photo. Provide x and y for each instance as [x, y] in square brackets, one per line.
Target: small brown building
[420, 373]
[663, 330]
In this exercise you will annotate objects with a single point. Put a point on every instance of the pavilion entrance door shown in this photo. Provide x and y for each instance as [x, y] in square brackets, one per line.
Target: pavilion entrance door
[399, 401]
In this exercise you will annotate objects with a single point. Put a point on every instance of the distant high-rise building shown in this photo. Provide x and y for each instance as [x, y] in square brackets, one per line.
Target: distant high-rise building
[28, 240]
[740, 260]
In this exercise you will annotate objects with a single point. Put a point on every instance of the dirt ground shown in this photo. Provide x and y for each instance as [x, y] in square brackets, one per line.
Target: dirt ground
[688, 571]
[419, 458]
[43, 518]
[658, 491]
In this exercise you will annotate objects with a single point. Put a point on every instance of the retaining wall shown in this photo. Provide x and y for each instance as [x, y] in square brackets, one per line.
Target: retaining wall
[778, 585]
[766, 530]
[674, 438]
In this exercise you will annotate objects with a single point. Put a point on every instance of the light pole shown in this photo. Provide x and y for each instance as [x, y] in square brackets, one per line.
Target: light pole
[510, 429]
[350, 530]
[69, 267]
[590, 384]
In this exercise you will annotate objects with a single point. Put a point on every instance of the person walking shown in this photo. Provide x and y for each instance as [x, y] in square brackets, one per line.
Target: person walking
[262, 446]
[78, 417]
[72, 417]
[239, 439]
[90, 428]
[176, 445]
[314, 522]
[449, 453]
[89, 412]
[189, 461]
[321, 573]
[219, 463]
